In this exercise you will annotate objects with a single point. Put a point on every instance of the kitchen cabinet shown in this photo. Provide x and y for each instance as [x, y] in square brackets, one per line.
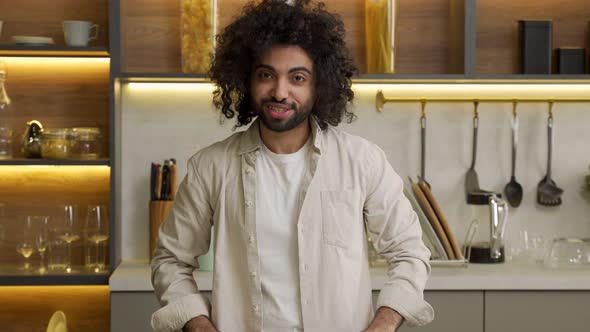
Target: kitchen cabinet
[457, 311]
[539, 311]
[61, 87]
[454, 311]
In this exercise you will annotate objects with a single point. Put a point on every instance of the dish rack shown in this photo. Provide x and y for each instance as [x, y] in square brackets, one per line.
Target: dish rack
[466, 250]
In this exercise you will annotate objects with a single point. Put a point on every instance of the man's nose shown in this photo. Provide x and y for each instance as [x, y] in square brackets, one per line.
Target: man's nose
[281, 90]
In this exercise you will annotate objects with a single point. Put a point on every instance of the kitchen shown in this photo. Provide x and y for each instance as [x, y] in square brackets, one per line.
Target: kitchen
[466, 49]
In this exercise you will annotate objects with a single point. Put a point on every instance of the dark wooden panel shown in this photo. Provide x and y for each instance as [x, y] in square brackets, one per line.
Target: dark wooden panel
[151, 33]
[44, 18]
[28, 308]
[497, 29]
[28, 191]
[59, 93]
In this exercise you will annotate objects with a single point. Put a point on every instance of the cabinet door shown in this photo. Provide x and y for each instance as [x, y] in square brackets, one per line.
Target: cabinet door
[539, 311]
[454, 311]
[132, 311]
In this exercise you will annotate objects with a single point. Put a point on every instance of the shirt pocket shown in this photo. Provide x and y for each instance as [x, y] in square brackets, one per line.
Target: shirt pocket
[340, 214]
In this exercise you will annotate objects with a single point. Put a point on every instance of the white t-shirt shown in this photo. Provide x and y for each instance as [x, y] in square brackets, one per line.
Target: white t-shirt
[278, 203]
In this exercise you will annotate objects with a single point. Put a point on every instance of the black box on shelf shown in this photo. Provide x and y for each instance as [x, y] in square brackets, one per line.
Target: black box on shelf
[571, 60]
[535, 46]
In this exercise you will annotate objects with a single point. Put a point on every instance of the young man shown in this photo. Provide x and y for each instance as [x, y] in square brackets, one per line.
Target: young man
[291, 197]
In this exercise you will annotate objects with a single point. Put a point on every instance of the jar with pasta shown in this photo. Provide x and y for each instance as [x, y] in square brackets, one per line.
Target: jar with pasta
[380, 36]
[198, 26]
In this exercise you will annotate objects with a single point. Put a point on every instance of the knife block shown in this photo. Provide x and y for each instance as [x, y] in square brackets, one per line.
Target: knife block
[159, 211]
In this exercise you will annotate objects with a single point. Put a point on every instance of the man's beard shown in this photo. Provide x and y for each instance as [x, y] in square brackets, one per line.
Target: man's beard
[300, 114]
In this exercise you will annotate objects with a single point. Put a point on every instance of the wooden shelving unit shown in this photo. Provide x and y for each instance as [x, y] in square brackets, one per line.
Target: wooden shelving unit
[47, 162]
[60, 86]
[54, 51]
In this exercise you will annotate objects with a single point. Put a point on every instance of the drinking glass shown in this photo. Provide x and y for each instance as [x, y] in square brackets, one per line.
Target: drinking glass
[96, 233]
[41, 239]
[26, 243]
[62, 235]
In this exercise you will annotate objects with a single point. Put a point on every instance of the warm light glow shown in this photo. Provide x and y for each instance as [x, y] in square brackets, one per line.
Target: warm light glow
[65, 61]
[531, 89]
[170, 86]
[509, 90]
[62, 290]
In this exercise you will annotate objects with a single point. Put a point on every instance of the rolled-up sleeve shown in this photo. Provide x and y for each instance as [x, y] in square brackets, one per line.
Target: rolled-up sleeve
[184, 236]
[397, 236]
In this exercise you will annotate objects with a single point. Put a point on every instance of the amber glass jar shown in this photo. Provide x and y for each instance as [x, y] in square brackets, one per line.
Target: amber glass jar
[56, 143]
[198, 26]
[380, 36]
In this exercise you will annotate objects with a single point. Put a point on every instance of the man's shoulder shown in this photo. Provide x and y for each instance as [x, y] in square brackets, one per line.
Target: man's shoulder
[217, 153]
[351, 142]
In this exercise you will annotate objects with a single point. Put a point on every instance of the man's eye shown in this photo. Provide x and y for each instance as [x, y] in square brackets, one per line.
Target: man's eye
[264, 75]
[299, 79]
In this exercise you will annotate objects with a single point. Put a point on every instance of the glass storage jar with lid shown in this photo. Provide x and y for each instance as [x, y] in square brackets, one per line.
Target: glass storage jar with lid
[56, 143]
[86, 143]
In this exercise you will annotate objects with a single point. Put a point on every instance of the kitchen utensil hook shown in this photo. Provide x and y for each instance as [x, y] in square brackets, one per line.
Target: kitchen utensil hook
[514, 104]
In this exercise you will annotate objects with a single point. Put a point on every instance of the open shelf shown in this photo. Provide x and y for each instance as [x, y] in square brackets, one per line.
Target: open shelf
[497, 30]
[53, 280]
[48, 162]
[379, 78]
[54, 51]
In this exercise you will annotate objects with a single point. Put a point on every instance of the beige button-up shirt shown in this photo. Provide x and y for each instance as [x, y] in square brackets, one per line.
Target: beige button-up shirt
[349, 189]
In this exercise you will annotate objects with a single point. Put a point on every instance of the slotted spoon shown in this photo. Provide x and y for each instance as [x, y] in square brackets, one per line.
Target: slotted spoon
[548, 193]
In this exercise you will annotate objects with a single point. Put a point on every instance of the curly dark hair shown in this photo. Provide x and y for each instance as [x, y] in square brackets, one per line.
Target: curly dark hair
[274, 22]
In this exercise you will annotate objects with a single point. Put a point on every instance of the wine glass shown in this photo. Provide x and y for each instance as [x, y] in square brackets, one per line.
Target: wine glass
[67, 232]
[42, 239]
[96, 232]
[26, 243]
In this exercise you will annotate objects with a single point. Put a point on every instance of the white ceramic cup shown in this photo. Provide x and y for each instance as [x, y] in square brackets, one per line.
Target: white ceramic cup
[77, 33]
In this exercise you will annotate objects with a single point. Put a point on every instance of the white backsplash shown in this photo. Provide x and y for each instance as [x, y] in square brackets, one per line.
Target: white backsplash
[175, 121]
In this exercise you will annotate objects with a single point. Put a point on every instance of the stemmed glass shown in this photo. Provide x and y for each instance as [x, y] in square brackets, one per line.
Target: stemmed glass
[42, 239]
[26, 243]
[96, 232]
[67, 232]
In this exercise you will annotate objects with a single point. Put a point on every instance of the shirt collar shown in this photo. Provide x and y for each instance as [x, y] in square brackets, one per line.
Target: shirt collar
[251, 140]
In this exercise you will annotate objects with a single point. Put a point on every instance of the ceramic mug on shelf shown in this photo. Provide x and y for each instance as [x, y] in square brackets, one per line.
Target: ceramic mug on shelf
[78, 33]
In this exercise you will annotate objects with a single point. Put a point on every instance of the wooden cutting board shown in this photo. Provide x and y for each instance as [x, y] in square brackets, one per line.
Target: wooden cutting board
[431, 215]
[441, 218]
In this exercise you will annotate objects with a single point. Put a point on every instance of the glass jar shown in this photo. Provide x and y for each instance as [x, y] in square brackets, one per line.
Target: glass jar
[86, 143]
[5, 117]
[56, 143]
[197, 31]
[380, 17]
[5, 142]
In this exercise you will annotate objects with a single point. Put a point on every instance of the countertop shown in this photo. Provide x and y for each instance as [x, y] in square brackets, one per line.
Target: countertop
[134, 276]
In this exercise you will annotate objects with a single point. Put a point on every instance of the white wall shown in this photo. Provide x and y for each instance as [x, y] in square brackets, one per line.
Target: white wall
[164, 121]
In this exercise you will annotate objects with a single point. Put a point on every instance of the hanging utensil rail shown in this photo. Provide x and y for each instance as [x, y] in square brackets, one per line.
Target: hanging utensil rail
[381, 100]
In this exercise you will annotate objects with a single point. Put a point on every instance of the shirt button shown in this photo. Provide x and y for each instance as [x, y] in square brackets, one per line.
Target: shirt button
[250, 239]
[249, 171]
[253, 274]
[249, 203]
[255, 308]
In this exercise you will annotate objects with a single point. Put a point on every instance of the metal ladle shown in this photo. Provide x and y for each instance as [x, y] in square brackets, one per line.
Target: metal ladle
[513, 189]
